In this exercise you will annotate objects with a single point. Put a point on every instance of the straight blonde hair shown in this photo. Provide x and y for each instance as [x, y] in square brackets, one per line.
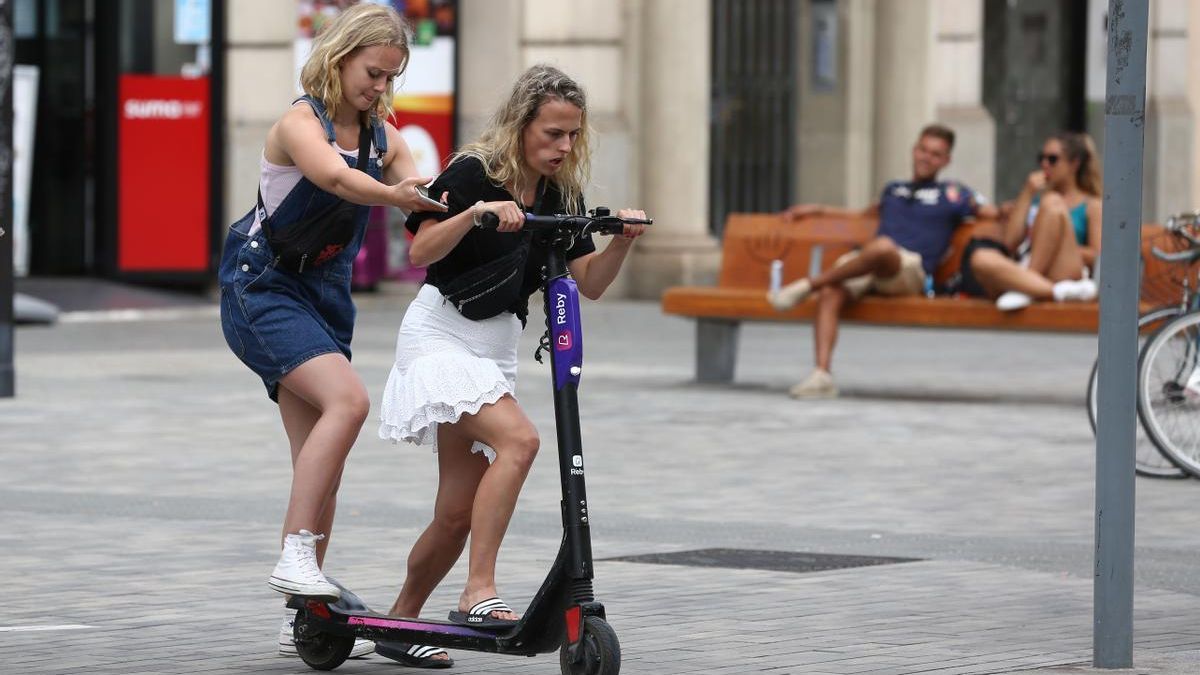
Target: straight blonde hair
[362, 25]
[1079, 147]
[501, 148]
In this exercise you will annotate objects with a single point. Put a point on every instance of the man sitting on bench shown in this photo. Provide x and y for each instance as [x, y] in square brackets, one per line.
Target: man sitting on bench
[917, 218]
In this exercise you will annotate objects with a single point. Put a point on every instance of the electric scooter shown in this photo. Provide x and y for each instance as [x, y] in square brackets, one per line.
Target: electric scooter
[564, 615]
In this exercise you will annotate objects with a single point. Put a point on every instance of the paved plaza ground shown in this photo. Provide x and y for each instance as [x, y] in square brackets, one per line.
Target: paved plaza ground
[143, 477]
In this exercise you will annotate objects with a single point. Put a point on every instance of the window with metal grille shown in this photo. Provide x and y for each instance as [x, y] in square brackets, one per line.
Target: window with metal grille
[753, 123]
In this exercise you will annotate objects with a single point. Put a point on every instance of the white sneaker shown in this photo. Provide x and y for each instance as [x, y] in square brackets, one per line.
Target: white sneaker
[789, 296]
[1011, 301]
[1083, 290]
[287, 640]
[297, 571]
[819, 384]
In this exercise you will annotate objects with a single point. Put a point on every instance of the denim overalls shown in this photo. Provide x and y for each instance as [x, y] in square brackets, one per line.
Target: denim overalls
[275, 319]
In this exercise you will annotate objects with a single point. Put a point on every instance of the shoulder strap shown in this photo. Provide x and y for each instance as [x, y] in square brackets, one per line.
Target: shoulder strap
[380, 129]
[263, 220]
[364, 147]
[318, 109]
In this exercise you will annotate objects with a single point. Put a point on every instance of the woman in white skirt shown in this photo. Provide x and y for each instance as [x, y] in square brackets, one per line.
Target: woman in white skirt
[454, 379]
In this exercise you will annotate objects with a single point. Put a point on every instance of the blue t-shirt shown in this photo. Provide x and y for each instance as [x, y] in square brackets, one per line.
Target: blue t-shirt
[921, 217]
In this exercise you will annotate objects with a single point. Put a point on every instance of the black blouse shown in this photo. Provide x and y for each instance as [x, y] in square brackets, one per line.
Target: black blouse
[466, 183]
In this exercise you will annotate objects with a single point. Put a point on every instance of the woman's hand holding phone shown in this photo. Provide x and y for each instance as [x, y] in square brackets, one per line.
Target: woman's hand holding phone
[413, 196]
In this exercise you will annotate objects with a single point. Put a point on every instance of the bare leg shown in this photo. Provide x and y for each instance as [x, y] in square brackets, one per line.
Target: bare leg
[298, 420]
[504, 427]
[997, 274]
[329, 385]
[825, 323]
[442, 542]
[880, 257]
[1054, 253]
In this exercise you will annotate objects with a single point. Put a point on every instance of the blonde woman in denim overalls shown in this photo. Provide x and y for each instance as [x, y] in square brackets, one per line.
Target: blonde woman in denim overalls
[293, 327]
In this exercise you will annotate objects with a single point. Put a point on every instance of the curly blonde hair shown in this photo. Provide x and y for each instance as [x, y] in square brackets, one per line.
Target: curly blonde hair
[501, 148]
[362, 25]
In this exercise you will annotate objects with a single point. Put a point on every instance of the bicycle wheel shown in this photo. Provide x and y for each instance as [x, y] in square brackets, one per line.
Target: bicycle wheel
[1147, 459]
[1169, 391]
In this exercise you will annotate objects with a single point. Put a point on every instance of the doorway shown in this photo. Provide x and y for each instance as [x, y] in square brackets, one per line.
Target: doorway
[753, 114]
[1033, 78]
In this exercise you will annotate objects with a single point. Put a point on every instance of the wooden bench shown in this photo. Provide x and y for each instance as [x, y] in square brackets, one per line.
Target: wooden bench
[753, 241]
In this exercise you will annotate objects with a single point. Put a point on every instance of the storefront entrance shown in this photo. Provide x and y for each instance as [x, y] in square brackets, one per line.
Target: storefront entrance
[125, 171]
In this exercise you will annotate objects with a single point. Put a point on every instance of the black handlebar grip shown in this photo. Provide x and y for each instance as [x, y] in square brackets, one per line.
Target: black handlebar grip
[489, 219]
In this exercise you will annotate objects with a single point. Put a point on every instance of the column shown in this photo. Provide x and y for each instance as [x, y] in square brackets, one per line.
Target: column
[904, 95]
[261, 78]
[957, 67]
[1170, 121]
[674, 149]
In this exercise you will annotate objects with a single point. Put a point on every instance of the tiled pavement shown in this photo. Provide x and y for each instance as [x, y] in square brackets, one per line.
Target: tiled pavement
[142, 477]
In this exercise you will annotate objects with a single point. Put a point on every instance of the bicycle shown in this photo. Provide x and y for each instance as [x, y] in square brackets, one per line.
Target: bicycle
[1150, 459]
[1168, 380]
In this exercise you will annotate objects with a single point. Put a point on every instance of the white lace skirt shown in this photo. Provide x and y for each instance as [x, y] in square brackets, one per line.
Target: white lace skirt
[446, 366]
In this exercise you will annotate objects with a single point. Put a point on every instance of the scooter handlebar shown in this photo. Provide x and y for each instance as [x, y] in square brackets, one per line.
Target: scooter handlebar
[600, 224]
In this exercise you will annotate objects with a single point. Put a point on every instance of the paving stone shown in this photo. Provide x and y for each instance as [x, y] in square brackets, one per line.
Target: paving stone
[144, 475]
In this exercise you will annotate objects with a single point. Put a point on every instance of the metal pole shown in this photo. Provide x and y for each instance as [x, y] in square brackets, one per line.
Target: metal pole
[7, 56]
[1124, 123]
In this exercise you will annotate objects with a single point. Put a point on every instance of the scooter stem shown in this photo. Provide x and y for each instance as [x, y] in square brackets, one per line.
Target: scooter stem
[566, 363]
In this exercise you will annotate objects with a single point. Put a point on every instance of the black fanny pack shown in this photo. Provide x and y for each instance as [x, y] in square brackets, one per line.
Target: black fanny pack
[491, 288]
[495, 286]
[318, 237]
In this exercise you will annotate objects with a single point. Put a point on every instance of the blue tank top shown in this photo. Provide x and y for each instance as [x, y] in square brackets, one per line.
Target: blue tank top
[1079, 219]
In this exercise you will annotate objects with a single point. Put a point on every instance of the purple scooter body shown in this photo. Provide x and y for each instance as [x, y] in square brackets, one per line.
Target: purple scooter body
[566, 331]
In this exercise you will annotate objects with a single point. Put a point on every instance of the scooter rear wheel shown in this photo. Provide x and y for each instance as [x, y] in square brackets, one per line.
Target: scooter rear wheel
[320, 650]
[601, 652]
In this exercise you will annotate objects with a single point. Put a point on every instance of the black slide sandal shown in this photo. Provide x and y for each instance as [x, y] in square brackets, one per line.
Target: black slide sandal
[413, 656]
[480, 615]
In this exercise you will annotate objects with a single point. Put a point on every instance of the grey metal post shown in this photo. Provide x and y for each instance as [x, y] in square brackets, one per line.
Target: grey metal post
[1124, 123]
[7, 55]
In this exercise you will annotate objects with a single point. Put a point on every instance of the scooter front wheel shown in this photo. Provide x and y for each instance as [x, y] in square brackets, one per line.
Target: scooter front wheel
[599, 652]
[320, 650]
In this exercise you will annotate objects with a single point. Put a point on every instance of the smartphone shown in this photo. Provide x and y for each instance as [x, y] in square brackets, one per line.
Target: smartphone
[429, 201]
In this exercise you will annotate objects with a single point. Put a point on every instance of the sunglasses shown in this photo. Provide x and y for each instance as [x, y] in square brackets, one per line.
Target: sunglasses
[1047, 158]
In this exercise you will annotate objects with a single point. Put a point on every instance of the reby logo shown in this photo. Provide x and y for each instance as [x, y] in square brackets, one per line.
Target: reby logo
[162, 109]
[564, 341]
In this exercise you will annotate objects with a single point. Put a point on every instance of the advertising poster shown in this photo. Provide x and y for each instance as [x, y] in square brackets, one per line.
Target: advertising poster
[163, 151]
[192, 22]
[424, 99]
[423, 104]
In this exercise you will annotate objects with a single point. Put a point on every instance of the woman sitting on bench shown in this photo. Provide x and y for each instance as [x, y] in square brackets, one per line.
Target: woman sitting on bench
[1053, 228]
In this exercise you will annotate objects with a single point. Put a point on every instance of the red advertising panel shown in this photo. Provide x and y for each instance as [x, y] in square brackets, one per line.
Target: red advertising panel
[163, 174]
[427, 125]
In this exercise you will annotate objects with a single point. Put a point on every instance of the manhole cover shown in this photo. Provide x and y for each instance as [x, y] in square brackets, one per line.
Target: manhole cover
[748, 559]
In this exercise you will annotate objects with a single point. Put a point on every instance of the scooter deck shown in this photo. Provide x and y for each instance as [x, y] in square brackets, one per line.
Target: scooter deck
[352, 612]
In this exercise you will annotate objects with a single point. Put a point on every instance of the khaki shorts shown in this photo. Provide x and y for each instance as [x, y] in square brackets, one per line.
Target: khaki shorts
[910, 280]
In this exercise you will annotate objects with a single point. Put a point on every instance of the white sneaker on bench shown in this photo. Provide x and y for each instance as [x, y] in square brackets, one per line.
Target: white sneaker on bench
[1083, 290]
[789, 296]
[819, 384]
[1011, 301]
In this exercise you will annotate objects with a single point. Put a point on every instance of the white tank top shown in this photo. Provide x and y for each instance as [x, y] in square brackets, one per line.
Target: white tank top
[276, 181]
